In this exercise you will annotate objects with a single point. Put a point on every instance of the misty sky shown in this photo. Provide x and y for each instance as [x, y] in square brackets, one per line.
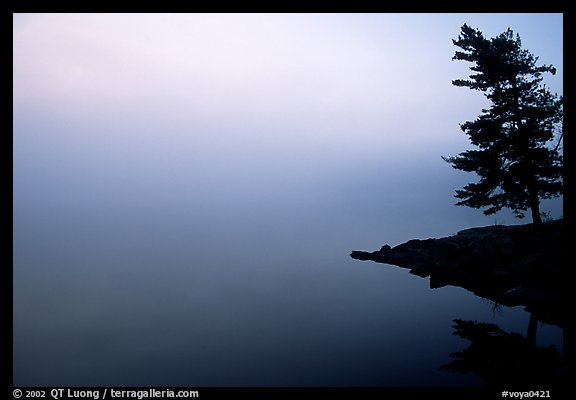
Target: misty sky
[272, 111]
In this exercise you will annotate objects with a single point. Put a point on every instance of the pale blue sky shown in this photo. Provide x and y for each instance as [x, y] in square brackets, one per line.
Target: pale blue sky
[260, 108]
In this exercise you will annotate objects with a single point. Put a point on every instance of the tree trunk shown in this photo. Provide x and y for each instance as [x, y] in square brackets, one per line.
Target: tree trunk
[534, 204]
[532, 327]
[533, 198]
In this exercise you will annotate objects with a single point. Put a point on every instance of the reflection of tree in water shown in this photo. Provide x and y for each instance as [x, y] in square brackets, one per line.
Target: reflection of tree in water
[504, 358]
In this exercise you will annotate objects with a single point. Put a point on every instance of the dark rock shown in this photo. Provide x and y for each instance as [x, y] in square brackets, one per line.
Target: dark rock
[510, 265]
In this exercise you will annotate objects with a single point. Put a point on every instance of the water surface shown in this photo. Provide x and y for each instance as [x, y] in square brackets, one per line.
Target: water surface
[226, 296]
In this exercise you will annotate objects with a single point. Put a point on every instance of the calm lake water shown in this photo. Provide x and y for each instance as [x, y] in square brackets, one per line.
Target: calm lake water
[151, 294]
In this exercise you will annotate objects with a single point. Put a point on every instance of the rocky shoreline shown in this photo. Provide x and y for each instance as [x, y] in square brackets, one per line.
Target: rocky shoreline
[509, 264]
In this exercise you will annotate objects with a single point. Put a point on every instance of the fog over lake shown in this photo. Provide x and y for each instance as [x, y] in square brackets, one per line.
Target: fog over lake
[188, 188]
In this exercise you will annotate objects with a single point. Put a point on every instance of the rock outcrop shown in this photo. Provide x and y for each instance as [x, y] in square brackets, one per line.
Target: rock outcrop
[510, 265]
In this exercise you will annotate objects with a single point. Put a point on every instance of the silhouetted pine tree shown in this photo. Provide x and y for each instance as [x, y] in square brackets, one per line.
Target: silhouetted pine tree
[516, 159]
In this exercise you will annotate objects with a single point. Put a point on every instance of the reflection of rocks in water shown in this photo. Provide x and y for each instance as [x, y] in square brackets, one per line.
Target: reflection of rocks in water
[511, 265]
[503, 358]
